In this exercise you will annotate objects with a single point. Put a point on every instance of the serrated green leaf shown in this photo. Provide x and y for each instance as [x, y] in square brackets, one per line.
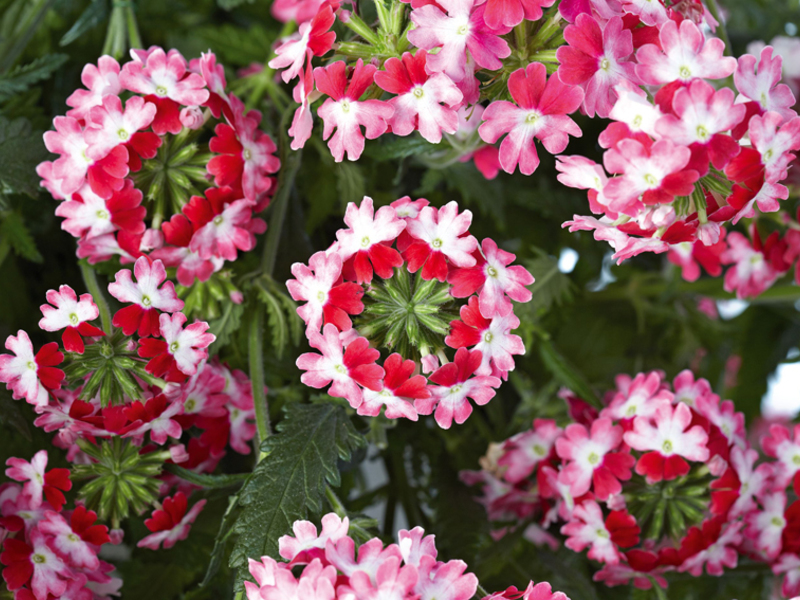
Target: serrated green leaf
[226, 325]
[205, 480]
[14, 230]
[276, 321]
[20, 78]
[221, 541]
[291, 479]
[91, 17]
[21, 149]
[565, 372]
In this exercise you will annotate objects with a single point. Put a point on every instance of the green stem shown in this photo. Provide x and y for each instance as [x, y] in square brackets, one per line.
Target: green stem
[357, 24]
[723, 31]
[482, 593]
[279, 207]
[134, 38]
[13, 47]
[336, 504]
[90, 279]
[255, 349]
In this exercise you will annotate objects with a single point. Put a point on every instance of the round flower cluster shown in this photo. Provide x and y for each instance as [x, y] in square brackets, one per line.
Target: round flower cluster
[426, 264]
[661, 479]
[144, 384]
[50, 552]
[182, 153]
[408, 570]
[682, 157]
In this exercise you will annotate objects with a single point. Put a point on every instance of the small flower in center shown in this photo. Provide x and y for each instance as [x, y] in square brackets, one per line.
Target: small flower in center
[173, 347]
[491, 272]
[365, 241]
[602, 533]
[32, 365]
[418, 92]
[189, 404]
[73, 318]
[488, 337]
[340, 368]
[538, 450]
[345, 104]
[463, 29]
[123, 135]
[146, 301]
[246, 154]
[605, 64]
[218, 220]
[702, 133]
[667, 446]
[102, 214]
[321, 296]
[685, 72]
[531, 118]
[161, 90]
[456, 389]
[778, 521]
[593, 458]
[39, 559]
[650, 179]
[72, 537]
[437, 243]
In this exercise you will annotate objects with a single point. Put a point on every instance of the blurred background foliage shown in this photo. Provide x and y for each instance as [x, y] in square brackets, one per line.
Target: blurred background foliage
[585, 325]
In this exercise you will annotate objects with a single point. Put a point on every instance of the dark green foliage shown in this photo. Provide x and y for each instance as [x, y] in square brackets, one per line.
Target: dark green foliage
[301, 460]
[21, 149]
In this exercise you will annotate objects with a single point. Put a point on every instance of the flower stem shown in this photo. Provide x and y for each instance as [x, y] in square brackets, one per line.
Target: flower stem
[290, 166]
[90, 279]
[134, 38]
[255, 347]
[713, 8]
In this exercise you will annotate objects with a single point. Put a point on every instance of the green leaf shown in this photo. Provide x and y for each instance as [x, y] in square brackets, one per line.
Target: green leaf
[295, 322]
[350, 182]
[225, 326]
[566, 373]
[276, 320]
[91, 17]
[291, 480]
[155, 581]
[20, 78]
[399, 147]
[11, 416]
[21, 149]
[551, 288]
[221, 541]
[205, 480]
[231, 4]
[14, 230]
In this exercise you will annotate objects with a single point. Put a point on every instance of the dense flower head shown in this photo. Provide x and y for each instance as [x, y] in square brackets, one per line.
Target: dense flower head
[659, 480]
[380, 308]
[324, 565]
[110, 178]
[49, 551]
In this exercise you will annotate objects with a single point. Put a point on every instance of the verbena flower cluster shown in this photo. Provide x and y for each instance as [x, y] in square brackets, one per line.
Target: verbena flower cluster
[402, 274]
[324, 566]
[123, 404]
[661, 479]
[682, 157]
[178, 171]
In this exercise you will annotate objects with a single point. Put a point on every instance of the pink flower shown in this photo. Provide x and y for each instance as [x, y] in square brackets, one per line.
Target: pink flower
[71, 314]
[415, 544]
[492, 337]
[456, 384]
[307, 544]
[765, 527]
[371, 554]
[584, 174]
[347, 369]
[303, 120]
[69, 546]
[368, 239]
[641, 397]
[668, 440]
[156, 416]
[701, 115]
[649, 12]
[171, 523]
[541, 111]
[108, 125]
[774, 143]
[27, 375]
[423, 102]
[656, 173]
[222, 224]
[101, 80]
[752, 272]
[588, 528]
[246, 154]
[780, 444]
[181, 348]
[145, 297]
[444, 581]
[312, 39]
[346, 113]
[591, 459]
[539, 591]
[391, 581]
[501, 14]
[315, 583]
[788, 565]
[597, 60]
[438, 236]
[74, 165]
[87, 215]
[38, 484]
[719, 552]
[525, 450]
[328, 301]
[498, 282]
[753, 483]
[462, 28]
[400, 390]
[760, 83]
[35, 564]
[164, 80]
[684, 55]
